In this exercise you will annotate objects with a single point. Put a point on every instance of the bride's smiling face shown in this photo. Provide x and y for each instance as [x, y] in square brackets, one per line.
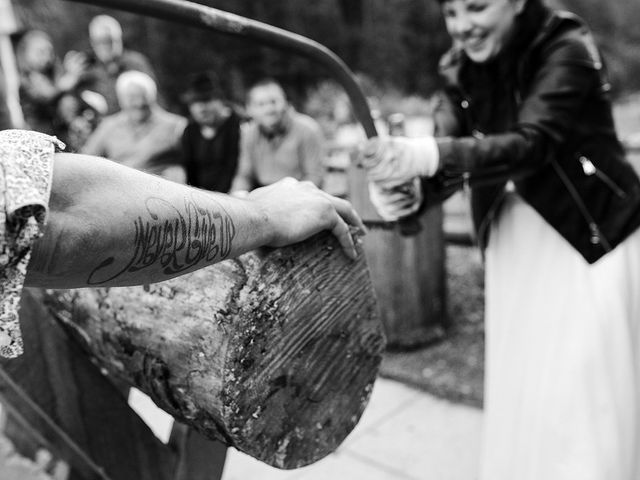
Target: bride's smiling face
[482, 28]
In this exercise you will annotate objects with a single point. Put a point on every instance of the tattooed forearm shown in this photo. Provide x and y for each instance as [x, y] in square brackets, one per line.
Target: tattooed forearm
[173, 239]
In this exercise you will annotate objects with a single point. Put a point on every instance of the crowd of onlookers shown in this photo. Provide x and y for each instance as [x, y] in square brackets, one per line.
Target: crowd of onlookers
[105, 102]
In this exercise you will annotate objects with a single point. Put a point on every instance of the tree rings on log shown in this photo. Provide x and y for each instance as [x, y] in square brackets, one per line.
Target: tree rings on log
[274, 353]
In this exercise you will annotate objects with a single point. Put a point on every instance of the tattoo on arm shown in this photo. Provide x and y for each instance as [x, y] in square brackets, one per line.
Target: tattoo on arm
[174, 239]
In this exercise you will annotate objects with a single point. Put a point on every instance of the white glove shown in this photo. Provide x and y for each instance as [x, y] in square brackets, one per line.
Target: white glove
[396, 160]
[394, 202]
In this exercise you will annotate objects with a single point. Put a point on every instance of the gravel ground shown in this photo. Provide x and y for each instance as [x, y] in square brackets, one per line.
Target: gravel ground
[454, 367]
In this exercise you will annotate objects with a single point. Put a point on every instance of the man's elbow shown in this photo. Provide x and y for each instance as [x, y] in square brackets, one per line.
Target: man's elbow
[44, 260]
[57, 258]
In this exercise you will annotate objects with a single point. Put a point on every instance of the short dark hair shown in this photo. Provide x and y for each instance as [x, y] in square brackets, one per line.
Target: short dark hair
[202, 87]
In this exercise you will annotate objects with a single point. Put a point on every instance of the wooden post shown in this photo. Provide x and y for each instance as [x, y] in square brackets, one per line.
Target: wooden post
[408, 273]
[8, 68]
[274, 353]
[409, 279]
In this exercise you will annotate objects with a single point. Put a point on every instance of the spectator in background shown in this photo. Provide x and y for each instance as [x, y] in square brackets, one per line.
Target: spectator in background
[525, 121]
[11, 115]
[43, 79]
[211, 141]
[110, 59]
[77, 116]
[142, 135]
[279, 142]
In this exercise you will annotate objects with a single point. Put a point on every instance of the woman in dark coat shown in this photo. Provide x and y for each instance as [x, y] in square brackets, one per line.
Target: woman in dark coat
[524, 120]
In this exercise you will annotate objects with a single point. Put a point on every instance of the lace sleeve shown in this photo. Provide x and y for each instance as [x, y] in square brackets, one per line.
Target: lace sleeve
[26, 166]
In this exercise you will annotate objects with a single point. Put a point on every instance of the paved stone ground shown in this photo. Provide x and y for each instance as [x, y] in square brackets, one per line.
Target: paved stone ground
[404, 434]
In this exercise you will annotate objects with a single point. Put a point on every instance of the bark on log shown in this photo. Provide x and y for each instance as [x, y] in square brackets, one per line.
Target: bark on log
[274, 353]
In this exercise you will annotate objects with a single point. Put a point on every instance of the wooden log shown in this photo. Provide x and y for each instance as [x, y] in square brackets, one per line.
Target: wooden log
[409, 279]
[274, 353]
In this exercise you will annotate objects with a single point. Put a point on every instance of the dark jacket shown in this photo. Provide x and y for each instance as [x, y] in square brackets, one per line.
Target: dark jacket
[212, 163]
[539, 115]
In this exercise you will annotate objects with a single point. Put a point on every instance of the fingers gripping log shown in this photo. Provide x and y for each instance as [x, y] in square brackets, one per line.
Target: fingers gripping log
[274, 353]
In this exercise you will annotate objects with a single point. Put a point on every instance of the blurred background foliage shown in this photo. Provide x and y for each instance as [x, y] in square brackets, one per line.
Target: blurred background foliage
[393, 44]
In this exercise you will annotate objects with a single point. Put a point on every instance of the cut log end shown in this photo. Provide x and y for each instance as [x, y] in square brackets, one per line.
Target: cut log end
[305, 358]
[274, 353]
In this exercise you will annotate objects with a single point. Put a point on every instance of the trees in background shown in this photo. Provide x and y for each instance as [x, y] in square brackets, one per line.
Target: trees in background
[396, 43]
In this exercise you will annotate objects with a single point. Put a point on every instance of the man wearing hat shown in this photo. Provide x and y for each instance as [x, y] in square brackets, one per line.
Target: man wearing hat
[210, 142]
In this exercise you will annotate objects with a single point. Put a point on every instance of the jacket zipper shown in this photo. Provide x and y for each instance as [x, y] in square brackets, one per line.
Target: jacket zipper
[597, 238]
[466, 176]
[590, 169]
[488, 218]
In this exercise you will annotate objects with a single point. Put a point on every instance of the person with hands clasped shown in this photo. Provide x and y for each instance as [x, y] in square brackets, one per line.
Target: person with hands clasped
[524, 119]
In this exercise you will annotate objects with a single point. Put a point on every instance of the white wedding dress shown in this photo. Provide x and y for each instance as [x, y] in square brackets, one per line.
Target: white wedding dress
[562, 386]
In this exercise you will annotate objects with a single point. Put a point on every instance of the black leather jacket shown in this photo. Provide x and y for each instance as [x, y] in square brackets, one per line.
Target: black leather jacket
[539, 115]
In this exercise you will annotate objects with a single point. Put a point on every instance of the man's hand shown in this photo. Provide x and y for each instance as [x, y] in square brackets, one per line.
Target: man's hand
[297, 210]
[75, 65]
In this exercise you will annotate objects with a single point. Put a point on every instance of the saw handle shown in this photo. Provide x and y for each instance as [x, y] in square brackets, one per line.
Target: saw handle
[407, 226]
